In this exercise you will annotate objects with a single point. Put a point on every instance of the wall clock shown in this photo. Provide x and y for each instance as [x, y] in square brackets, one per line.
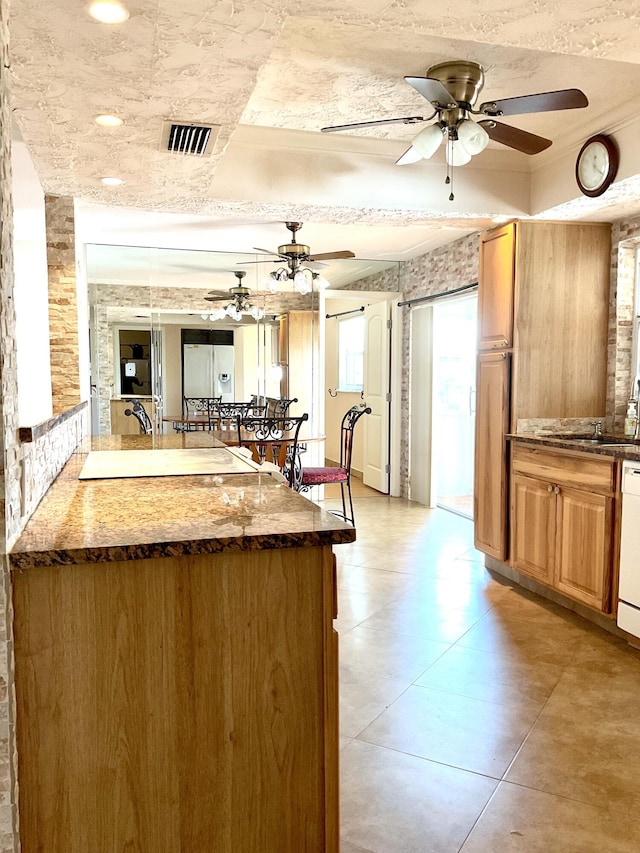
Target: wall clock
[596, 165]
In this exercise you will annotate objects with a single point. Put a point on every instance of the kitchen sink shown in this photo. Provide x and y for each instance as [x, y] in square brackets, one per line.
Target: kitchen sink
[603, 440]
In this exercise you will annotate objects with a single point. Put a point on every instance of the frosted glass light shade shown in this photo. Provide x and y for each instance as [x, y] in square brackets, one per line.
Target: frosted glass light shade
[301, 283]
[456, 155]
[428, 141]
[473, 137]
[269, 282]
[320, 281]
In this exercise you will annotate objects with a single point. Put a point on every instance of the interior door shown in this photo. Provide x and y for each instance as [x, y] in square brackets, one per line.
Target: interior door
[377, 373]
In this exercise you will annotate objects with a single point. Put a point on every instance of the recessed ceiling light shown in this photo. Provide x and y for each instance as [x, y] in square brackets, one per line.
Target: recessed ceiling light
[108, 121]
[108, 11]
[112, 182]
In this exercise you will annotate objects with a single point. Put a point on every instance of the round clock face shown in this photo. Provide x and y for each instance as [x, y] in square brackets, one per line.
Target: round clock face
[596, 165]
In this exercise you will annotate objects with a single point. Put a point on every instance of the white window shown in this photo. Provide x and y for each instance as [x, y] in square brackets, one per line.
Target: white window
[351, 354]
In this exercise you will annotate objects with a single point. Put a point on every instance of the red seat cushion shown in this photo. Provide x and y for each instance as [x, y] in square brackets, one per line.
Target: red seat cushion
[316, 476]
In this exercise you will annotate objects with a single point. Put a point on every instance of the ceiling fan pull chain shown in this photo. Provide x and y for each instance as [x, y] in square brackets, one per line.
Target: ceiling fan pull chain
[449, 180]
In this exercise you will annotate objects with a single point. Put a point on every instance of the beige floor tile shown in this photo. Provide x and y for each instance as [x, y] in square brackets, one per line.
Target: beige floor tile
[362, 579]
[519, 676]
[363, 697]
[586, 742]
[395, 803]
[516, 621]
[388, 655]
[525, 821]
[422, 617]
[482, 737]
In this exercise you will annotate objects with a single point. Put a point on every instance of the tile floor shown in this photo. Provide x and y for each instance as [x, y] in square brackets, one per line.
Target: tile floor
[475, 716]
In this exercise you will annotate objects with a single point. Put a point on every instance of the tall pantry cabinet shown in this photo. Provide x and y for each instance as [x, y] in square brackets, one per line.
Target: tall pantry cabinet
[543, 308]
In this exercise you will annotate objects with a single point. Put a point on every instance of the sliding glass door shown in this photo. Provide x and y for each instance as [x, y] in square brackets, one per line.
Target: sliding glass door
[454, 371]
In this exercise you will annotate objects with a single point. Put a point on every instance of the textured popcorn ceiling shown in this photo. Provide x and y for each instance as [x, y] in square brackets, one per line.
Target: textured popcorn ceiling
[251, 68]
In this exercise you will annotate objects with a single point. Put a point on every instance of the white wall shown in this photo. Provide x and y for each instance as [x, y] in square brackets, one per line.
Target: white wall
[31, 293]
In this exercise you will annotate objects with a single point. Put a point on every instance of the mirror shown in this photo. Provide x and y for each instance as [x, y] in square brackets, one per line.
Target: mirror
[149, 316]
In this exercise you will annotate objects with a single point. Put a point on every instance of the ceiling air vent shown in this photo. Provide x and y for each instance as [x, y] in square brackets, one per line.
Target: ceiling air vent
[188, 137]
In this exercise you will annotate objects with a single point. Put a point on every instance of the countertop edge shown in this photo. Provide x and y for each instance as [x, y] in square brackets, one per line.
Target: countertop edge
[578, 444]
[22, 560]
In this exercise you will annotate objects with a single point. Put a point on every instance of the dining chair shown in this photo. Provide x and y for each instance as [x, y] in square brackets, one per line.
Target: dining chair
[273, 439]
[341, 473]
[198, 406]
[140, 414]
[224, 416]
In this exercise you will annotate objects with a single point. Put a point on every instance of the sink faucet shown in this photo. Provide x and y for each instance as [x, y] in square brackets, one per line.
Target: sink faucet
[597, 429]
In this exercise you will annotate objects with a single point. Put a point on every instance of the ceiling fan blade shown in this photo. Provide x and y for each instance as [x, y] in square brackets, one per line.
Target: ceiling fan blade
[328, 256]
[409, 156]
[406, 120]
[521, 140]
[433, 91]
[563, 99]
[315, 265]
[277, 260]
[266, 251]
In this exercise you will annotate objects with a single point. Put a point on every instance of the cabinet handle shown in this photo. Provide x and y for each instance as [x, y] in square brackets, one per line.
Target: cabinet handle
[549, 488]
[557, 490]
[504, 343]
[503, 355]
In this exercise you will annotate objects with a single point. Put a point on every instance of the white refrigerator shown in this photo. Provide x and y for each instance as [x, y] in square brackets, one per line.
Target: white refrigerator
[208, 371]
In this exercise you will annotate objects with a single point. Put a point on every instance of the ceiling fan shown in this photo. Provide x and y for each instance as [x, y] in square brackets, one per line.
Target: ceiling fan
[300, 263]
[238, 302]
[452, 88]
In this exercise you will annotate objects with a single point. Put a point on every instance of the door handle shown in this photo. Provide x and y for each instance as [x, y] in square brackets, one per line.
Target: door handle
[557, 490]
[549, 488]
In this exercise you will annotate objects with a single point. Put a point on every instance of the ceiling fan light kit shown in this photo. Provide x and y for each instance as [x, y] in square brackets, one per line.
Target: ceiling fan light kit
[239, 305]
[299, 261]
[453, 88]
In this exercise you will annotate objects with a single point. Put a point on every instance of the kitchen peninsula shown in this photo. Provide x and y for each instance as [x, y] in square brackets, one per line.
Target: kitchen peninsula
[176, 663]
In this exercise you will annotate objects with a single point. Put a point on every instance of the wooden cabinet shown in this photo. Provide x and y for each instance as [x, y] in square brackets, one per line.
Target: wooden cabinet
[562, 521]
[179, 704]
[496, 288]
[543, 301]
[299, 348]
[491, 475]
[122, 424]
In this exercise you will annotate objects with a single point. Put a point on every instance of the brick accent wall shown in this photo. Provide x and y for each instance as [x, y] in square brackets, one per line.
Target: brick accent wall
[63, 303]
[625, 241]
[9, 462]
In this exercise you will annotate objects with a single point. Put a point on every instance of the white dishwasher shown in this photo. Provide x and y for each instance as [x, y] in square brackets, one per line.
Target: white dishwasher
[629, 591]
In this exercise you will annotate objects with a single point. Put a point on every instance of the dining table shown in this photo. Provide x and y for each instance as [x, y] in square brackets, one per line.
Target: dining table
[229, 436]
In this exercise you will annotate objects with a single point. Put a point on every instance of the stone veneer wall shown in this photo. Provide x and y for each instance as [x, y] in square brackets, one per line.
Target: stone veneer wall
[63, 303]
[625, 241]
[26, 470]
[104, 297]
[9, 464]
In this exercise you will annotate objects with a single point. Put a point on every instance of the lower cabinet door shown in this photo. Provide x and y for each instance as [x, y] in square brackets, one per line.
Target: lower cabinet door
[584, 540]
[533, 526]
[491, 469]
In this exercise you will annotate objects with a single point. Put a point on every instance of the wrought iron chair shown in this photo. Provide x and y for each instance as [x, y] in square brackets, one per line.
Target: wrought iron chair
[198, 406]
[140, 414]
[224, 415]
[341, 473]
[273, 439]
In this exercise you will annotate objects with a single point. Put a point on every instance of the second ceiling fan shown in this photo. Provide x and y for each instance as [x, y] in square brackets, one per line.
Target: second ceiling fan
[452, 89]
[300, 262]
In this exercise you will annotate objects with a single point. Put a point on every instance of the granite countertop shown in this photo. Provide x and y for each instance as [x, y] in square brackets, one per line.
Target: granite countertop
[86, 521]
[625, 449]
